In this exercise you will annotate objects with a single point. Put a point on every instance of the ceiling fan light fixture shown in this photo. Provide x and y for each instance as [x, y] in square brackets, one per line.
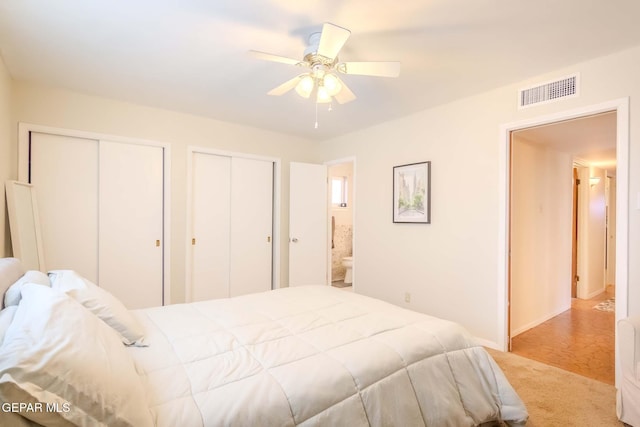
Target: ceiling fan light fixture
[318, 70]
[305, 86]
[323, 96]
[322, 81]
[332, 84]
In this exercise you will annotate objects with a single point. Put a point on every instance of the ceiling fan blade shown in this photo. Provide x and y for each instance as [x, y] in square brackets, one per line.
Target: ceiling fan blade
[345, 95]
[285, 87]
[379, 69]
[274, 58]
[332, 40]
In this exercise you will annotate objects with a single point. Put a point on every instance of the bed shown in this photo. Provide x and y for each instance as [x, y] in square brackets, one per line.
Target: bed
[71, 354]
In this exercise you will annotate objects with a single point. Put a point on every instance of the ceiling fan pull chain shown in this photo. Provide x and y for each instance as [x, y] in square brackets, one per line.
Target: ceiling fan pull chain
[316, 116]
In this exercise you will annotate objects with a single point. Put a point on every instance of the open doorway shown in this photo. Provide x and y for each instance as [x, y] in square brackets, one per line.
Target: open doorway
[341, 177]
[559, 243]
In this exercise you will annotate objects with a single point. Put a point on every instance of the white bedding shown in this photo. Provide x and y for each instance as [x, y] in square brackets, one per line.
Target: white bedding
[315, 356]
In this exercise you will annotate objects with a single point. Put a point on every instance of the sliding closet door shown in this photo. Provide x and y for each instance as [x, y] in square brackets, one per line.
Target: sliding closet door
[232, 225]
[101, 206]
[251, 225]
[210, 219]
[131, 223]
[64, 170]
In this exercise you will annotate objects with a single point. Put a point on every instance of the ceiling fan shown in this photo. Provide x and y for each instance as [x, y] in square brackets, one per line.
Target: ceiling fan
[321, 58]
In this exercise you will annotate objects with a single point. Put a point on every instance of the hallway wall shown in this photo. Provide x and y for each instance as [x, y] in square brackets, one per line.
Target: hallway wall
[591, 240]
[541, 206]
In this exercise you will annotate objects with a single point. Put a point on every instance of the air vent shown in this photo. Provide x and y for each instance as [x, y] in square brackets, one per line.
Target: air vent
[549, 92]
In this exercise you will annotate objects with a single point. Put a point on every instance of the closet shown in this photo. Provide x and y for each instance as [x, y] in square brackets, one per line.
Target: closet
[101, 207]
[231, 217]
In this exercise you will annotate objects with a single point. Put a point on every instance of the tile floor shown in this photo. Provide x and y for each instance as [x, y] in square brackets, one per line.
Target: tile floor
[341, 284]
[580, 340]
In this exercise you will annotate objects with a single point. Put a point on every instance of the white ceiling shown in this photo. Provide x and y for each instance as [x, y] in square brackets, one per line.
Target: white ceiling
[191, 55]
[591, 139]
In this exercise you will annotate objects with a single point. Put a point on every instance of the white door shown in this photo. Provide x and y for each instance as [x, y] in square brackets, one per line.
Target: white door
[308, 225]
[101, 212]
[64, 171]
[131, 223]
[210, 222]
[251, 226]
[232, 222]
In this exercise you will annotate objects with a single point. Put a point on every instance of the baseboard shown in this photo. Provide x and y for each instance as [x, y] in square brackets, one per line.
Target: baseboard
[537, 322]
[486, 343]
[595, 293]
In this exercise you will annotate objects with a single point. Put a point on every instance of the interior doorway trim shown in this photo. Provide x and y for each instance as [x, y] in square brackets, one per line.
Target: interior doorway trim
[621, 107]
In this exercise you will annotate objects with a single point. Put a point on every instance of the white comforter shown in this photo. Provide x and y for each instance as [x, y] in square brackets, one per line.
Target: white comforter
[316, 356]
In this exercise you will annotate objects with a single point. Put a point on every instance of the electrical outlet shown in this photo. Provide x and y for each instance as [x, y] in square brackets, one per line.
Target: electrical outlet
[407, 297]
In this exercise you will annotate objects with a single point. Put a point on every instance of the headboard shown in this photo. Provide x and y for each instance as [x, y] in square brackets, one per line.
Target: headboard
[11, 269]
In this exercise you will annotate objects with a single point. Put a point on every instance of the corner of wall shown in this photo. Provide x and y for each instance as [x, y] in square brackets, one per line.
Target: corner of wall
[8, 152]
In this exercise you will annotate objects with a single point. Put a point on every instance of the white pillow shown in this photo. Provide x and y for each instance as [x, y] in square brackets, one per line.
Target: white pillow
[69, 365]
[6, 317]
[12, 296]
[101, 303]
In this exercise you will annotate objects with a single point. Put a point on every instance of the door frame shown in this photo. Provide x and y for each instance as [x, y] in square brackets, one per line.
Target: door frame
[352, 160]
[275, 240]
[24, 131]
[583, 226]
[621, 107]
[574, 230]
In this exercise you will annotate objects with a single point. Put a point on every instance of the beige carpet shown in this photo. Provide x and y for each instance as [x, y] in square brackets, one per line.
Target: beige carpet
[558, 398]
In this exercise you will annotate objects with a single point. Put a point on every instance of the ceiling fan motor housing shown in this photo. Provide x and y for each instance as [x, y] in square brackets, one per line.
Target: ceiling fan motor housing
[313, 43]
[311, 53]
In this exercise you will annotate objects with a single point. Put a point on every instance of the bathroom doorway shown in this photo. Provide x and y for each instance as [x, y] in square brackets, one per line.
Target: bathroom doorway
[341, 217]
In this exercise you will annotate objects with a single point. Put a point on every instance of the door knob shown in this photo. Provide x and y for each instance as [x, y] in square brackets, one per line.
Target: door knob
[294, 240]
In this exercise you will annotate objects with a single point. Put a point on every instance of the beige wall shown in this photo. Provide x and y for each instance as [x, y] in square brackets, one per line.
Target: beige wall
[450, 267]
[8, 150]
[593, 259]
[541, 205]
[63, 109]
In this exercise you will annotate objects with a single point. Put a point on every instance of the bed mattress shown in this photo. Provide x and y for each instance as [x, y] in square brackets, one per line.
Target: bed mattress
[316, 355]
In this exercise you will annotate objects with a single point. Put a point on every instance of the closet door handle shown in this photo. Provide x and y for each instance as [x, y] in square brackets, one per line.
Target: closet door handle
[157, 243]
[294, 240]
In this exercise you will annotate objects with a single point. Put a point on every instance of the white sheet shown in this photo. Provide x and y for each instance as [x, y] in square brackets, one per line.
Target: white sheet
[316, 356]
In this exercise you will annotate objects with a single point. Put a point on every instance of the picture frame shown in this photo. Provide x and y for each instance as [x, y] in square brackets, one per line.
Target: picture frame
[412, 193]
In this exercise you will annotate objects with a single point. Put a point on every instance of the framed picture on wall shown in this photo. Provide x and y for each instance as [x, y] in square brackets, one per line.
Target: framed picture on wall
[412, 193]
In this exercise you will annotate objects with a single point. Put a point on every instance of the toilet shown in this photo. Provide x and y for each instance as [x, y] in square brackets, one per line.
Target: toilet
[347, 262]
